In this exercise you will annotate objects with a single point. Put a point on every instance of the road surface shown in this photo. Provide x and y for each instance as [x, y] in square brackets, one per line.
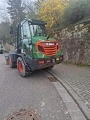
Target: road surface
[35, 92]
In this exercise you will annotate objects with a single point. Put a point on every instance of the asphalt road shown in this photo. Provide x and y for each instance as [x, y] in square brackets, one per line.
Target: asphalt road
[34, 92]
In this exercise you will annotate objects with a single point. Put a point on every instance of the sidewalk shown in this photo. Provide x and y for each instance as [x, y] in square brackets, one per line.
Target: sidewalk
[75, 78]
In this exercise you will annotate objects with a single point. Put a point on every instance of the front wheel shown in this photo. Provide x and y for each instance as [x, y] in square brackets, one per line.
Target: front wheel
[21, 68]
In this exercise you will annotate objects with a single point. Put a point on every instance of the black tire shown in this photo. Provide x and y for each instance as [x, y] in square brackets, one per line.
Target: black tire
[21, 68]
[11, 63]
[49, 68]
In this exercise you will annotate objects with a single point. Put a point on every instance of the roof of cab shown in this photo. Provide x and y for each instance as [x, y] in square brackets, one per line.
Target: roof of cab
[34, 22]
[38, 22]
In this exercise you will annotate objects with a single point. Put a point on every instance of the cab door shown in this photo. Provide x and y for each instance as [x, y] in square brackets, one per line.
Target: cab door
[26, 38]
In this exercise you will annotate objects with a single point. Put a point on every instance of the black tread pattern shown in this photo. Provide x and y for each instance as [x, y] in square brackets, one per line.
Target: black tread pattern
[12, 65]
[24, 73]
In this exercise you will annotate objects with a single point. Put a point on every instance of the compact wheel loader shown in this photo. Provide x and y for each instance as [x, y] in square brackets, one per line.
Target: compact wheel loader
[33, 49]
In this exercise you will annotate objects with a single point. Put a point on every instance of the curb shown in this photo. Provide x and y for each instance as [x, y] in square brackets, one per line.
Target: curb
[83, 107]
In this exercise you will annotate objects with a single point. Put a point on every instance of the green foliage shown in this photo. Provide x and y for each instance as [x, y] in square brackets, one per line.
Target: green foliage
[4, 31]
[15, 10]
[30, 10]
[75, 11]
[51, 12]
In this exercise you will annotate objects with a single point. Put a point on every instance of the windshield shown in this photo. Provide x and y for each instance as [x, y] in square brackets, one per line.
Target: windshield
[37, 30]
[29, 30]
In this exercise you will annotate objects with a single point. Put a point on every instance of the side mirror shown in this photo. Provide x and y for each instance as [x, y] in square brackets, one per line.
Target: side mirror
[11, 30]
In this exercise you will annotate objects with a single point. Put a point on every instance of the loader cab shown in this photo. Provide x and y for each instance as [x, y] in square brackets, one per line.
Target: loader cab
[26, 31]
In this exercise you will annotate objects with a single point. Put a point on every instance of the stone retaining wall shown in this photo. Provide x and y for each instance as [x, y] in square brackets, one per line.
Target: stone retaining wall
[75, 43]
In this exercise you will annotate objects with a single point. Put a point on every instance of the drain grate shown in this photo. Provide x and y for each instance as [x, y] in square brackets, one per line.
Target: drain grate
[23, 115]
[52, 79]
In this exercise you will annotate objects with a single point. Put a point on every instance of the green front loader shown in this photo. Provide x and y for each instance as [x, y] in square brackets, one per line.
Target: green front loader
[33, 49]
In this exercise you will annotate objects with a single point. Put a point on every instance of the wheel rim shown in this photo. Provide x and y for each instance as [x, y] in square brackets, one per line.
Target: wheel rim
[20, 67]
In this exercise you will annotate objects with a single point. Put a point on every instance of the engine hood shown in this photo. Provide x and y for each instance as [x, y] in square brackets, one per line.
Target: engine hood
[43, 48]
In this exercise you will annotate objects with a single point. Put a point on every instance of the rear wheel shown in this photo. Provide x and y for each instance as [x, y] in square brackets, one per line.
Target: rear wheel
[21, 68]
[10, 62]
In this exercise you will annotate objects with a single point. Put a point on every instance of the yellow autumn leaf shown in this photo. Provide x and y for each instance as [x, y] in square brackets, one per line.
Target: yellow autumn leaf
[51, 11]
